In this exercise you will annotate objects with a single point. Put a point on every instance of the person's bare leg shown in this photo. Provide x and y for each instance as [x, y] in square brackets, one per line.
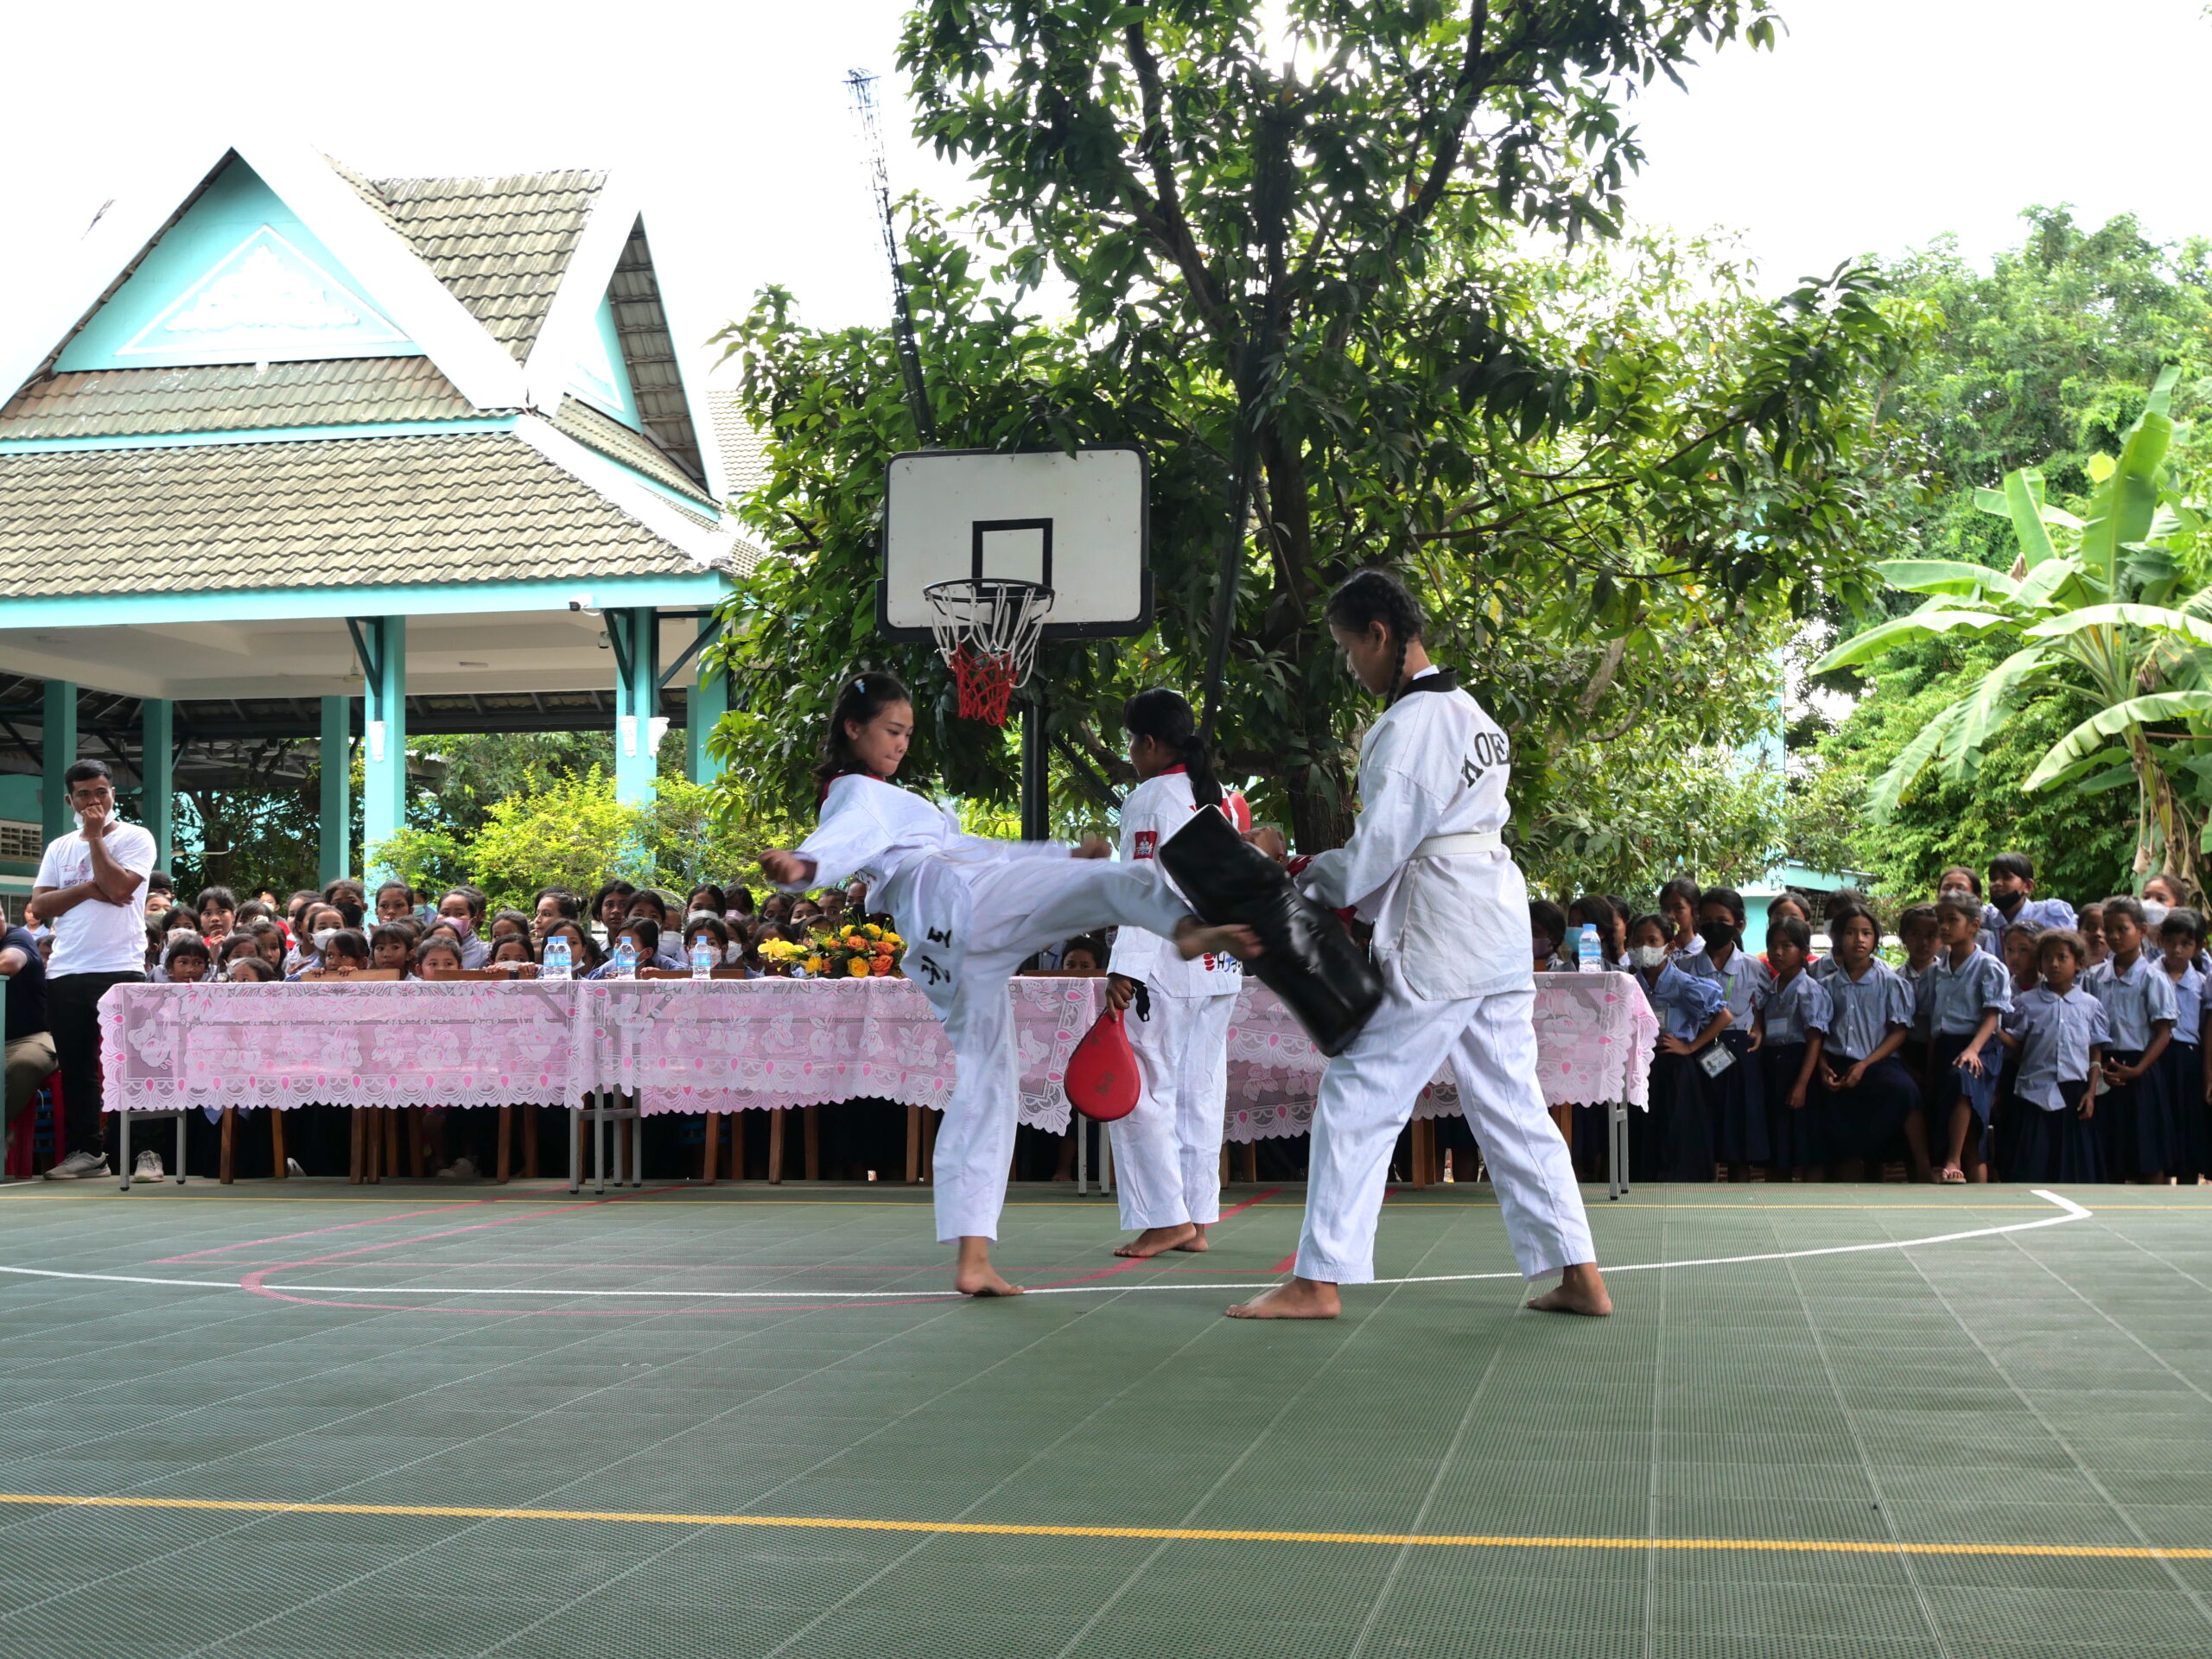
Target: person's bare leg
[1916, 1140]
[1581, 1289]
[973, 1273]
[1300, 1299]
[1961, 1126]
[1153, 1241]
[1197, 1242]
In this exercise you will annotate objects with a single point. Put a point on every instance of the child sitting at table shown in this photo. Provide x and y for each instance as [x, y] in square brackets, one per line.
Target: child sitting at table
[241, 943]
[185, 959]
[250, 969]
[645, 942]
[344, 952]
[439, 954]
[716, 933]
[510, 949]
[1083, 956]
[391, 946]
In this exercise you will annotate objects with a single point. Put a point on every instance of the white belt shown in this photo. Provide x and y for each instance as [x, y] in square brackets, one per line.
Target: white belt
[1467, 841]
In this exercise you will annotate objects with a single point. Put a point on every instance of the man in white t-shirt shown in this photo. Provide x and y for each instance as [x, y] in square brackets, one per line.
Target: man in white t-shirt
[91, 891]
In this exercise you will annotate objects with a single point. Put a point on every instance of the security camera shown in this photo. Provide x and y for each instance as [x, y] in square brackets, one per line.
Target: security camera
[582, 602]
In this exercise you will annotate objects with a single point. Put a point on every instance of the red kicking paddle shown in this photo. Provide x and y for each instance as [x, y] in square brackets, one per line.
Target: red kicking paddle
[1102, 1080]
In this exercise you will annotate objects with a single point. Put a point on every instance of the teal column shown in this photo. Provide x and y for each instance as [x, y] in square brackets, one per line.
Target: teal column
[634, 633]
[708, 701]
[337, 802]
[58, 746]
[384, 737]
[157, 765]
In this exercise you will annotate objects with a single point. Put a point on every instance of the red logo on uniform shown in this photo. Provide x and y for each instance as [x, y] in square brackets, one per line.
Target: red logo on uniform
[1147, 840]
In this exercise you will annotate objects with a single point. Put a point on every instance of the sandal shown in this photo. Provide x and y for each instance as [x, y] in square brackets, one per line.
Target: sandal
[1952, 1176]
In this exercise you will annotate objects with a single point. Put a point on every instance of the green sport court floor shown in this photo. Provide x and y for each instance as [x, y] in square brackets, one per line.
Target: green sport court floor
[302, 1419]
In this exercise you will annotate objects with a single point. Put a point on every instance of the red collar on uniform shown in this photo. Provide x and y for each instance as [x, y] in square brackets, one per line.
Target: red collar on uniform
[1169, 772]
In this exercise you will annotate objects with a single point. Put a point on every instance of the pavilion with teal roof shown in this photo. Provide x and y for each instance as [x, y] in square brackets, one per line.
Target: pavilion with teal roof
[296, 453]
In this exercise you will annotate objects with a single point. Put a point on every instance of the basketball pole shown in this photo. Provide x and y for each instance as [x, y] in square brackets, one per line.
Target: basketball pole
[1036, 796]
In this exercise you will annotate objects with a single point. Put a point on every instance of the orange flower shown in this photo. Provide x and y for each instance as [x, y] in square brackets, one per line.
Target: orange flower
[881, 970]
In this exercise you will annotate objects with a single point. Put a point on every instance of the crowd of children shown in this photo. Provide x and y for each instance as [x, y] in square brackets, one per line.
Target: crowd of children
[2014, 1039]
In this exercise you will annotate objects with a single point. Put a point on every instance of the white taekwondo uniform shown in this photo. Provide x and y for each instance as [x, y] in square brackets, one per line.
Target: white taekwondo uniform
[1167, 1152]
[1426, 865]
[971, 911]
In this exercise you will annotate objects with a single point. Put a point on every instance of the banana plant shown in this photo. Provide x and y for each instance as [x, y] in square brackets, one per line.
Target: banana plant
[2108, 615]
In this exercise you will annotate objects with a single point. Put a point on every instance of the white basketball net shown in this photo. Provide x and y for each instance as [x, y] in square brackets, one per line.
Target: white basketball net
[987, 629]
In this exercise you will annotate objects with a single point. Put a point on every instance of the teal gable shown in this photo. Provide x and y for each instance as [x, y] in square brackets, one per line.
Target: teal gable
[602, 376]
[238, 279]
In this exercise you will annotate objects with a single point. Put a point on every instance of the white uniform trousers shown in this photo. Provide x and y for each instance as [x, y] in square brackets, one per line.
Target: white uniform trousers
[1013, 910]
[1367, 1096]
[1167, 1152]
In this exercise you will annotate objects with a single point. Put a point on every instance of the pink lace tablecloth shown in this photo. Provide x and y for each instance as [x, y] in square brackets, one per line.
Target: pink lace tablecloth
[378, 1043]
[729, 1045]
[1594, 1037]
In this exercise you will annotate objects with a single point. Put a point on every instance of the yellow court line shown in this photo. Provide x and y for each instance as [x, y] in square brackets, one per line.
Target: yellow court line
[1199, 1534]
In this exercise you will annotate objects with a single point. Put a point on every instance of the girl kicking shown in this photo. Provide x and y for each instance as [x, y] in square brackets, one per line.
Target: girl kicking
[971, 911]
[1451, 911]
[1167, 1152]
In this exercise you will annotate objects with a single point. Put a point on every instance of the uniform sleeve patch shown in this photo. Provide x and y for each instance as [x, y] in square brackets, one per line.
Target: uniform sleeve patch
[1147, 843]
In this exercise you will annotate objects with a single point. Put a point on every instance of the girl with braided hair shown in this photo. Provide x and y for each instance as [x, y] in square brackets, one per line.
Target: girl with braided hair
[1167, 1150]
[1427, 864]
[971, 911]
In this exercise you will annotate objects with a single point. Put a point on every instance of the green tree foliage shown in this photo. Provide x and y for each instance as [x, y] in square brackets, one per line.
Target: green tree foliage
[1612, 475]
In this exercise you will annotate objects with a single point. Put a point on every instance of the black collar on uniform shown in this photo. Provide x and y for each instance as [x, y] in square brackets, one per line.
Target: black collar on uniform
[1444, 679]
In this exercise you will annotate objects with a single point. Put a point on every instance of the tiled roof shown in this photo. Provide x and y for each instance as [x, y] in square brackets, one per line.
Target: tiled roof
[500, 244]
[641, 323]
[481, 506]
[232, 398]
[589, 427]
[743, 449]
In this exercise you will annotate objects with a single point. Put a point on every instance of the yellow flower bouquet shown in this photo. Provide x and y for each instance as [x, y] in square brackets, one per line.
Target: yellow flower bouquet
[778, 956]
[867, 951]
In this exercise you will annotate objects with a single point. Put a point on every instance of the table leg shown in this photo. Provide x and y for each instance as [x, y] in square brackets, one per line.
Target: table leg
[390, 1116]
[123, 1133]
[810, 1132]
[281, 1166]
[354, 1172]
[913, 1144]
[507, 1142]
[1423, 1149]
[229, 1141]
[576, 1146]
[928, 1145]
[414, 1141]
[530, 1144]
[179, 1148]
[776, 1145]
[713, 1147]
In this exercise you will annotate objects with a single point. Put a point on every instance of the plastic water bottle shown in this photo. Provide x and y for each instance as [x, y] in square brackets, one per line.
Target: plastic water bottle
[1590, 956]
[557, 964]
[625, 960]
[702, 957]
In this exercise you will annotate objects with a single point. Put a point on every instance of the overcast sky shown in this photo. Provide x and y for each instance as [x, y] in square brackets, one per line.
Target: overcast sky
[1876, 125]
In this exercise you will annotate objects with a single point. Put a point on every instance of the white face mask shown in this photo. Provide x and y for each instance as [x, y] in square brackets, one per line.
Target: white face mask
[1647, 956]
[322, 936]
[2154, 912]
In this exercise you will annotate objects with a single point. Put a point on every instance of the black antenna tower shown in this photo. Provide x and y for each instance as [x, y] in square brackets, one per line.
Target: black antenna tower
[862, 86]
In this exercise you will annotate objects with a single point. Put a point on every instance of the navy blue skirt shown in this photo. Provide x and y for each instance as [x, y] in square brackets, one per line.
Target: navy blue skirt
[2135, 1128]
[1863, 1122]
[2182, 1065]
[2041, 1146]
[1947, 1083]
[1799, 1139]
[1737, 1103]
[1673, 1142]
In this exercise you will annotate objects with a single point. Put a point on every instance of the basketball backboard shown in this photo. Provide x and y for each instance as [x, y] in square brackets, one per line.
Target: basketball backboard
[1075, 523]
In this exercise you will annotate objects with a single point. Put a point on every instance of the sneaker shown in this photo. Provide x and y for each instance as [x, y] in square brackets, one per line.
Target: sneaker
[78, 1166]
[460, 1170]
[147, 1167]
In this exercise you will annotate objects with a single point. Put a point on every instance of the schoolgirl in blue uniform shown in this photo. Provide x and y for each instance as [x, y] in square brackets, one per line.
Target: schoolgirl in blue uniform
[2134, 1121]
[1970, 992]
[1678, 906]
[2181, 942]
[1673, 1140]
[1735, 1100]
[1793, 1011]
[2023, 960]
[1917, 932]
[1870, 1095]
[2057, 1033]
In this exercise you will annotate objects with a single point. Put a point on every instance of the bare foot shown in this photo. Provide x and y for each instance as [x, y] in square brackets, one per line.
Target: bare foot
[1194, 939]
[1581, 1289]
[1301, 1298]
[974, 1276]
[1153, 1240]
[1197, 1242]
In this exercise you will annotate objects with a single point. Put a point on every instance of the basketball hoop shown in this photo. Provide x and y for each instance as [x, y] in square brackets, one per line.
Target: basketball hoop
[986, 629]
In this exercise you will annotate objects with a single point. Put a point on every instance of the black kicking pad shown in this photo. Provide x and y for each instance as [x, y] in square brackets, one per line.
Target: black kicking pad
[1310, 960]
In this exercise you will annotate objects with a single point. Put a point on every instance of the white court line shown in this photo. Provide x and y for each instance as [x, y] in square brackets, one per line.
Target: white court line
[2071, 1211]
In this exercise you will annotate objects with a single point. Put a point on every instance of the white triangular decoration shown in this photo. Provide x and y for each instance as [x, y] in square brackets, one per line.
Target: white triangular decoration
[264, 299]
